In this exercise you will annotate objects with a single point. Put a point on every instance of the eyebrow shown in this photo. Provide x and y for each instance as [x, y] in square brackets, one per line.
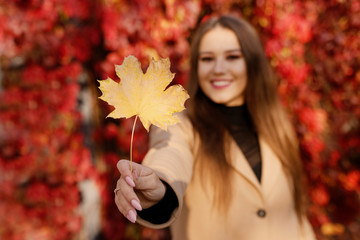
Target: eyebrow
[227, 51]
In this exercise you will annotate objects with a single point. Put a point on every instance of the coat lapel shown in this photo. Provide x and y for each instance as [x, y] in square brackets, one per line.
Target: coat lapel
[241, 165]
[271, 167]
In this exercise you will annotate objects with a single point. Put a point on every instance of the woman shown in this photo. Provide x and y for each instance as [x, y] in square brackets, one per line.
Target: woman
[231, 168]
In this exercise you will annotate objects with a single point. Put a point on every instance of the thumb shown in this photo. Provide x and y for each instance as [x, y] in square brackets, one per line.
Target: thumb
[138, 172]
[149, 187]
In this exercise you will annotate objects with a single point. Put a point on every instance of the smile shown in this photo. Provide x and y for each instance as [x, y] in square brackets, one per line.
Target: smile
[219, 84]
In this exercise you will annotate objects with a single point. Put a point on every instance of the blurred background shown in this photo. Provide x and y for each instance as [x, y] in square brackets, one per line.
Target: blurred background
[58, 153]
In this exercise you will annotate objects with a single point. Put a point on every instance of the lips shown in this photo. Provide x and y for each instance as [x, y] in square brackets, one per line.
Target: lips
[220, 83]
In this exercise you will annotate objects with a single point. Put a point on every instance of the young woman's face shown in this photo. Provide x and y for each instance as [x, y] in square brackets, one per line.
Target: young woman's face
[221, 67]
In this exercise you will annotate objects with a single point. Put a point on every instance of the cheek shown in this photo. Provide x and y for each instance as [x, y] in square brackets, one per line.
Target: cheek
[240, 72]
[202, 84]
[204, 70]
[201, 77]
[239, 68]
[202, 80]
[242, 81]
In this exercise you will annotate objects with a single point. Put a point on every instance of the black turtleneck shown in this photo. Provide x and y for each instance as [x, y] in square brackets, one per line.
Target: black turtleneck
[240, 127]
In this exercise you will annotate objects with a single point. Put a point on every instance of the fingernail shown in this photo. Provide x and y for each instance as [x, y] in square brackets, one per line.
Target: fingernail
[131, 216]
[136, 204]
[130, 181]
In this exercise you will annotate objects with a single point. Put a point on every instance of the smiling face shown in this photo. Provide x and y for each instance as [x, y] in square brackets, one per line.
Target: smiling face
[221, 67]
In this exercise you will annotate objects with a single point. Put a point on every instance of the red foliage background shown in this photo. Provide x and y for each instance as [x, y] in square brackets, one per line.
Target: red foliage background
[52, 137]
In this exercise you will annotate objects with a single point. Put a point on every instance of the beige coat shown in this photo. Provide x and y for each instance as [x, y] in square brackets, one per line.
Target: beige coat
[171, 156]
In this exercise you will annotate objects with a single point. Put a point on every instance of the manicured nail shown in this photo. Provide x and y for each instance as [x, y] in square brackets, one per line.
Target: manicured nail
[131, 216]
[129, 181]
[136, 204]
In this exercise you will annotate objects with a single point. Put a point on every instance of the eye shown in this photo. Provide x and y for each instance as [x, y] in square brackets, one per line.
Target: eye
[234, 56]
[206, 59]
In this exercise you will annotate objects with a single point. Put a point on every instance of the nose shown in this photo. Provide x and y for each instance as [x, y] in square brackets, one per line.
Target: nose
[219, 66]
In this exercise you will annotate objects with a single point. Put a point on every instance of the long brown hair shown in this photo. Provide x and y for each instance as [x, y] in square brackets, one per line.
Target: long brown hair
[269, 118]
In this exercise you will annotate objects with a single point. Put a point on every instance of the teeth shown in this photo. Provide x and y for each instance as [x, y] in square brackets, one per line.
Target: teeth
[220, 83]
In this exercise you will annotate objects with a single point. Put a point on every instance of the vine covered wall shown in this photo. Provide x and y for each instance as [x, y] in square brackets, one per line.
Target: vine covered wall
[43, 51]
[54, 135]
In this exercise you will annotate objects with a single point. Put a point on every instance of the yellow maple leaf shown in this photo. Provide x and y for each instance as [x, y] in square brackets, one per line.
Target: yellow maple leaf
[144, 95]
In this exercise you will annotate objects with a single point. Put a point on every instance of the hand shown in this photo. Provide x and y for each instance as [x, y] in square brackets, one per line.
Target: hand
[138, 189]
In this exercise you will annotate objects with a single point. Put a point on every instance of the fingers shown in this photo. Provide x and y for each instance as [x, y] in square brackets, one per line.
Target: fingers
[129, 214]
[143, 176]
[125, 198]
[141, 185]
[124, 168]
[129, 181]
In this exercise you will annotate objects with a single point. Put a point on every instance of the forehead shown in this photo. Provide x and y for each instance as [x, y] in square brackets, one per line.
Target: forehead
[219, 39]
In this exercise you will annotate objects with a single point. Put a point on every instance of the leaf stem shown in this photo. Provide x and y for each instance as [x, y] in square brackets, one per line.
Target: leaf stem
[131, 143]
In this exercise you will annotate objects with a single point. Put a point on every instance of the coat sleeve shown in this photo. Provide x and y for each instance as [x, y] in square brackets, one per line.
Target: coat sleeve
[307, 232]
[171, 156]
